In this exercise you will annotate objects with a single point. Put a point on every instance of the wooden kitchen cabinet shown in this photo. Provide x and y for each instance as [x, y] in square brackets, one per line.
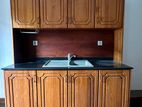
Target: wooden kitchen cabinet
[25, 13]
[53, 13]
[52, 88]
[20, 88]
[109, 13]
[72, 88]
[81, 14]
[67, 13]
[82, 88]
[114, 88]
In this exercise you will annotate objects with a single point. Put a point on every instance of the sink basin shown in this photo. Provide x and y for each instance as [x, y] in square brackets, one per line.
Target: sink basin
[64, 63]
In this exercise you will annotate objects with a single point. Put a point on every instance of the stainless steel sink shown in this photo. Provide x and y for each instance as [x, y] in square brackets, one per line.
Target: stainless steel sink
[64, 63]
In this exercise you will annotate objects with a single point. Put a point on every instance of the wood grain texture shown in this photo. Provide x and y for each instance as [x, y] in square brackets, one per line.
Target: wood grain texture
[82, 88]
[114, 88]
[109, 13]
[53, 13]
[20, 88]
[58, 43]
[52, 88]
[118, 45]
[25, 13]
[72, 88]
[80, 13]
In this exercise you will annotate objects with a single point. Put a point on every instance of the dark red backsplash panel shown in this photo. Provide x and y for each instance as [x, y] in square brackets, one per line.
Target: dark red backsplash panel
[57, 43]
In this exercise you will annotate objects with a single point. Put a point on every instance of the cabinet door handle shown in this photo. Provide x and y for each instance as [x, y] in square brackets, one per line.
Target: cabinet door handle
[38, 19]
[97, 9]
[70, 20]
[98, 20]
[69, 78]
[66, 78]
[35, 90]
[35, 79]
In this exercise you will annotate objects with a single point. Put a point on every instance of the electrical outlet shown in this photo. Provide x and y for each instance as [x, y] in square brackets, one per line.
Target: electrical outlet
[99, 43]
[35, 43]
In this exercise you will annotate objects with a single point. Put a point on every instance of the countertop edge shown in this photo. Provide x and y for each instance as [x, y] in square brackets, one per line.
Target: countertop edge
[98, 65]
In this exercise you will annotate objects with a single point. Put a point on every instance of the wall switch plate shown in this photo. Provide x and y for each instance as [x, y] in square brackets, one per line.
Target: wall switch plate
[35, 43]
[99, 43]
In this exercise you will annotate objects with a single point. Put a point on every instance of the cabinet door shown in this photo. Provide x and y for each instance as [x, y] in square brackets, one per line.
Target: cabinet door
[109, 13]
[25, 13]
[52, 88]
[114, 88]
[53, 13]
[20, 88]
[81, 14]
[82, 88]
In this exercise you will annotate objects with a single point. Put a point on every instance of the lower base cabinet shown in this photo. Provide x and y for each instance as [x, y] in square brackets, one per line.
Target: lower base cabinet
[82, 88]
[20, 88]
[114, 88]
[72, 88]
[52, 88]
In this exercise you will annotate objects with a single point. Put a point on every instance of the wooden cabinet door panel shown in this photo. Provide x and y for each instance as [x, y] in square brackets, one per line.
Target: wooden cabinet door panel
[52, 88]
[53, 13]
[82, 88]
[25, 13]
[81, 14]
[114, 88]
[109, 13]
[20, 88]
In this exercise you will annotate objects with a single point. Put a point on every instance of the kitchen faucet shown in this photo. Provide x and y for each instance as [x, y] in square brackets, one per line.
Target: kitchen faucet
[70, 56]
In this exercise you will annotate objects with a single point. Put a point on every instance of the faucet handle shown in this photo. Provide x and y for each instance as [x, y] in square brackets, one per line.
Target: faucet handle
[74, 56]
[71, 56]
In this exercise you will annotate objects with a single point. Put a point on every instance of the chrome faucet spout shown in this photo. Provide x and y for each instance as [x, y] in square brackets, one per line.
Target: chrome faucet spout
[70, 56]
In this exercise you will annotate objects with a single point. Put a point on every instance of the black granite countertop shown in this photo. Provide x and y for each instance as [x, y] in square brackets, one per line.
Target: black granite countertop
[99, 64]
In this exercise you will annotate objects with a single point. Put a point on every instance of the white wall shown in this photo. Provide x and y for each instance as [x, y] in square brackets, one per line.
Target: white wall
[133, 40]
[5, 40]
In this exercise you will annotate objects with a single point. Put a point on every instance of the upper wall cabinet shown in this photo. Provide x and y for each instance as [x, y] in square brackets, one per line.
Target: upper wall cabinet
[109, 13]
[81, 14]
[67, 13]
[53, 13]
[25, 13]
